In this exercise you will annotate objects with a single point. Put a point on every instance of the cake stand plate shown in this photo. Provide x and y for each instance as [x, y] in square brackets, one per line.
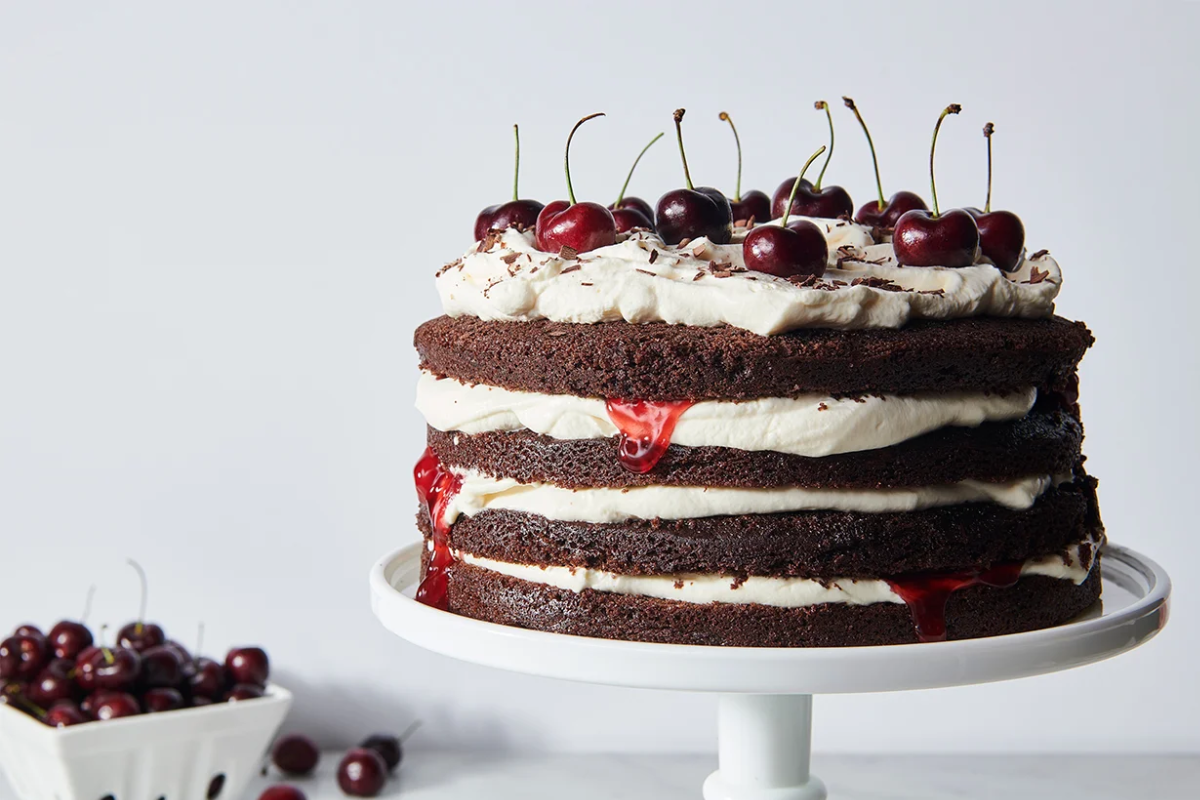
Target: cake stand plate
[765, 708]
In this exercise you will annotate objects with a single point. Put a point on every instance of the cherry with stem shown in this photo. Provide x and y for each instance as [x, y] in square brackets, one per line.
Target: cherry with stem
[753, 206]
[568, 226]
[141, 635]
[515, 213]
[929, 239]
[811, 200]
[633, 212]
[882, 214]
[789, 249]
[692, 213]
[1001, 233]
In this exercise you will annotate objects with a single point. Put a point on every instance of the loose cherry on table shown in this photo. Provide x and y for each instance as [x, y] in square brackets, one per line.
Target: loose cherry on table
[810, 200]
[390, 748]
[523, 213]
[878, 213]
[785, 250]
[362, 773]
[753, 206]
[693, 213]
[925, 239]
[295, 754]
[248, 665]
[141, 635]
[633, 212]
[1001, 233]
[569, 224]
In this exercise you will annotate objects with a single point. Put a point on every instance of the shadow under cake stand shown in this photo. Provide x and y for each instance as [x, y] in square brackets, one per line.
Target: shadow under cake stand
[765, 706]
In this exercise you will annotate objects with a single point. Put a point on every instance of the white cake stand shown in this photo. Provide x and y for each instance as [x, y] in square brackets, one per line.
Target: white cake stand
[765, 711]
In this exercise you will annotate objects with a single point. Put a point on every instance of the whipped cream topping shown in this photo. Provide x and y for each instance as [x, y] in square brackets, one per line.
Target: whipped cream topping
[641, 279]
[811, 425]
[480, 492]
[1073, 565]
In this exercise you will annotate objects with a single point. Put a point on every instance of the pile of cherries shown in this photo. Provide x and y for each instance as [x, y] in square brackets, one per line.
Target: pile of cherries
[362, 772]
[920, 237]
[66, 677]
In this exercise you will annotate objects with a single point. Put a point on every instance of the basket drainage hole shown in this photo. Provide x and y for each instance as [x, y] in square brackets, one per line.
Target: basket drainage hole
[108, 797]
[216, 785]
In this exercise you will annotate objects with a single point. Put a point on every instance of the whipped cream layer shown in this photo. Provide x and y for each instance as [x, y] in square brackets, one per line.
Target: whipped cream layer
[641, 279]
[481, 492]
[1073, 565]
[811, 425]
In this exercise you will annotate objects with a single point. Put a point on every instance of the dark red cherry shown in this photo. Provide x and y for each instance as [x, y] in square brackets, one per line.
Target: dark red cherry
[64, 714]
[161, 699]
[282, 792]
[513, 214]
[798, 249]
[114, 705]
[870, 213]
[633, 204]
[89, 703]
[207, 679]
[627, 219]
[579, 226]
[693, 213]
[200, 702]
[387, 746]
[779, 198]
[29, 630]
[161, 666]
[295, 754]
[830, 202]
[244, 691]
[248, 665]
[949, 240]
[22, 657]
[55, 682]
[114, 669]
[521, 214]
[68, 639]
[185, 657]
[140, 636]
[754, 206]
[362, 773]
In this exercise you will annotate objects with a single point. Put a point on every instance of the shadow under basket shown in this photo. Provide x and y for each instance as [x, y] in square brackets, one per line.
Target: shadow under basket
[207, 753]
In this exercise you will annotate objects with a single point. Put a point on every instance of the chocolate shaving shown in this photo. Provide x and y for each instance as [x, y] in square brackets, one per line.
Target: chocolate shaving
[822, 407]
[645, 272]
[1037, 276]
[571, 268]
[653, 256]
[699, 275]
[1039, 254]
[699, 250]
[683, 244]
[567, 253]
[586, 284]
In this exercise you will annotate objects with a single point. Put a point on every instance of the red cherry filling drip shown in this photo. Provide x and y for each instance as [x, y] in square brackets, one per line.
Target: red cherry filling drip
[436, 487]
[646, 427]
[926, 594]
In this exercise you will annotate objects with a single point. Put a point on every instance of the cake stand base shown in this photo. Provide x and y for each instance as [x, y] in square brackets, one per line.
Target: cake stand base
[765, 710]
[764, 745]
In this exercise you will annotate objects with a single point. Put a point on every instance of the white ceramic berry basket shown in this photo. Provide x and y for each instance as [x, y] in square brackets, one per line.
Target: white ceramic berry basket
[207, 753]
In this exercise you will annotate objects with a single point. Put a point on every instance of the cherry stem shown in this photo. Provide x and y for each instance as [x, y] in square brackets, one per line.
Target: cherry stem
[737, 189]
[953, 108]
[988, 130]
[874, 161]
[787, 212]
[567, 155]
[199, 642]
[687, 176]
[821, 105]
[145, 591]
[87, 604]
[629, 177]
[410, 730]
[108, 656]
[516, 160]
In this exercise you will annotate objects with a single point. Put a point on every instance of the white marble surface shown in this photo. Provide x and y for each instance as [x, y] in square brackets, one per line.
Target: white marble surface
[458, 776]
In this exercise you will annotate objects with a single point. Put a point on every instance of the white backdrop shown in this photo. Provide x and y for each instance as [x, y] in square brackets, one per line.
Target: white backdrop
[219, 227]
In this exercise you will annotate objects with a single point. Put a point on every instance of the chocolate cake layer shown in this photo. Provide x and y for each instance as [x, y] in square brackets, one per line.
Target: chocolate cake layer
[1043, 443]
[656, 361]
[1034, 602]
[830, 544]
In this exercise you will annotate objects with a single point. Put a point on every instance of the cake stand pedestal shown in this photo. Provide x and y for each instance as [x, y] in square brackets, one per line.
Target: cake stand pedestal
[765, 712]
